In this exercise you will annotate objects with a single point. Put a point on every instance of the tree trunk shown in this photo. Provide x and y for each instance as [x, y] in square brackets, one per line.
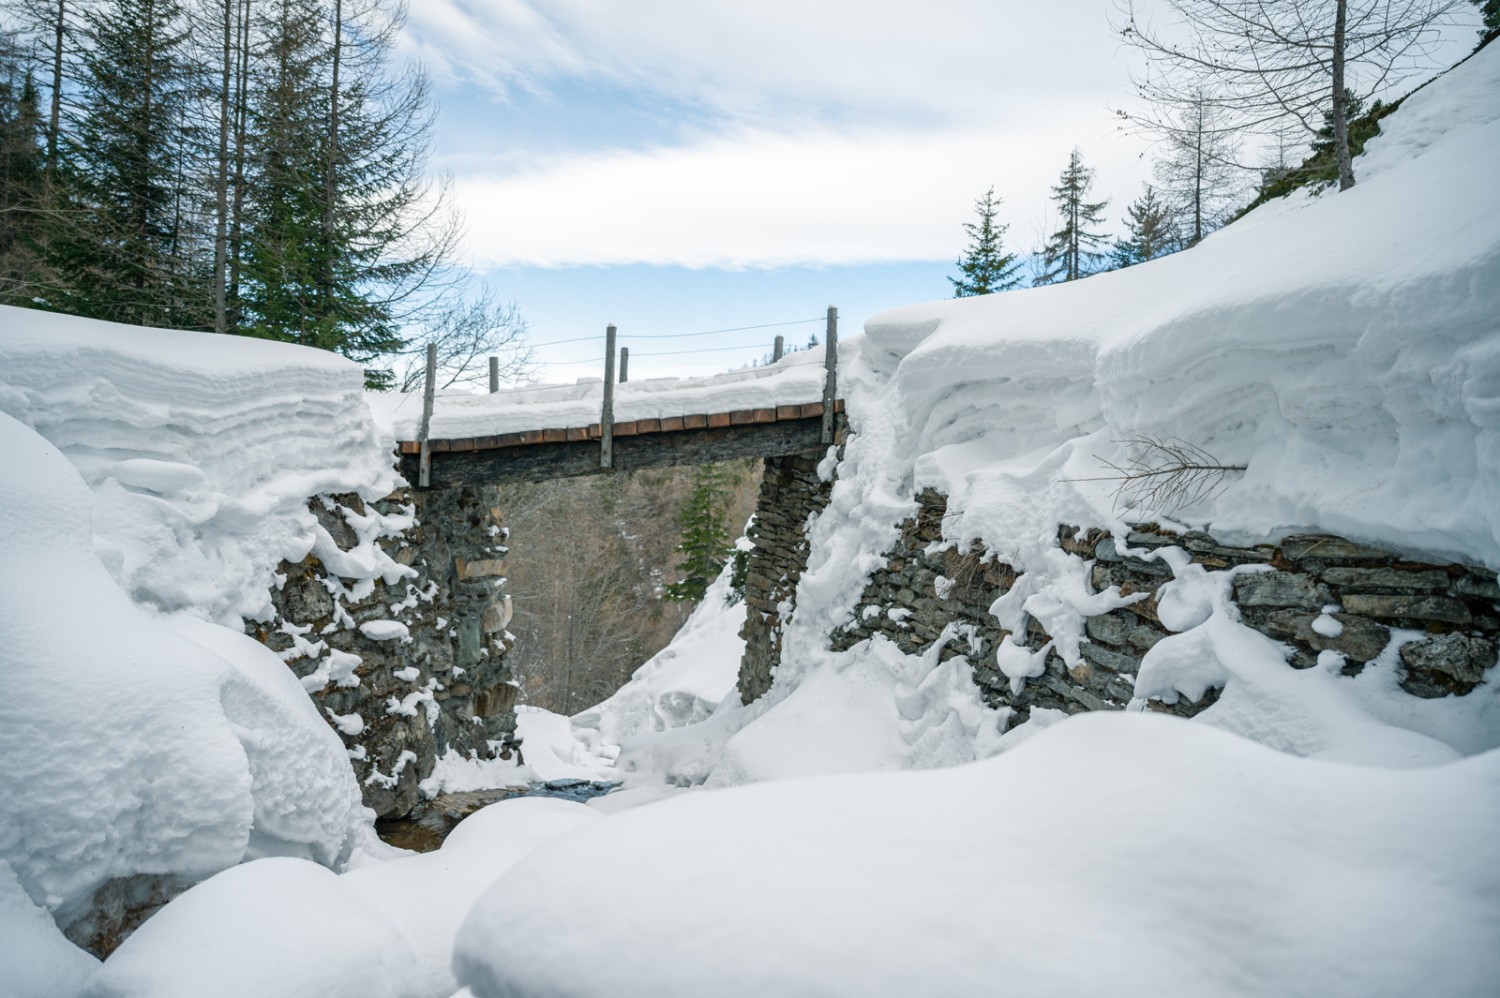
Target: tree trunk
[221, 186]
[233, 318]
[330, 187]
[1340, 108]
[57, 72]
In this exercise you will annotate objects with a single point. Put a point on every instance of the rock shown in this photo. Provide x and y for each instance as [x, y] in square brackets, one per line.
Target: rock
[1420, 608]
[1280, 589]
[1477, 586]
[1446, 664]
[1327, 548]
[1365, 580]
[1360, 640]
[1107, 627]
[482, 568]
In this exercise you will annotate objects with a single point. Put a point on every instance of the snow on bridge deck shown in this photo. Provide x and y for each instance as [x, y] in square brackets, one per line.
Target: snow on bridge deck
[554, 431]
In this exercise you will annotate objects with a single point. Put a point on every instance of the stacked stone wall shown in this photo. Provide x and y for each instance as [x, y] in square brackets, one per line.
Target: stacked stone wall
[444, 684]
[930, 592]
[791, 493]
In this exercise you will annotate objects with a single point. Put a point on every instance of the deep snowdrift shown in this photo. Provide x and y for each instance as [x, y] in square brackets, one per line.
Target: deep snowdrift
[201, 450]
[135, 744]
[1112, 854]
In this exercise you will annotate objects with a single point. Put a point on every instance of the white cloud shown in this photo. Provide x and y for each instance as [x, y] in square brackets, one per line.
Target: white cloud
[769, 199]
[940, 59]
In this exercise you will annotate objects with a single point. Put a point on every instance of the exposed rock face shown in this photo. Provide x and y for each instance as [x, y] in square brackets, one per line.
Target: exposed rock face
[790, 493]
[396, 626]
[928, 592]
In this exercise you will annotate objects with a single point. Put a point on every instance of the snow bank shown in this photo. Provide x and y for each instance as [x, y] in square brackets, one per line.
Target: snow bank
[134, 744]
[659, 722]
[292, 929]
[1345, 348]
[1111, 854]
[38, 962]
[797, 379]
[201, 450]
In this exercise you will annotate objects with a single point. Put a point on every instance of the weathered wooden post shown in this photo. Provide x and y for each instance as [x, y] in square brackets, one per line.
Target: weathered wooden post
[424, 461]
[494, 375]
[624, 364]
[607, 415]
[777, 349]
[831, 375]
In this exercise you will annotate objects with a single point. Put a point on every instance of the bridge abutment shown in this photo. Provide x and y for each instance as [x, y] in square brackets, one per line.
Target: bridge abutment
[791, 493]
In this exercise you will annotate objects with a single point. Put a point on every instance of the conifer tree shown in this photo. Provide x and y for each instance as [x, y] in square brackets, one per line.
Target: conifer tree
[345, 238]
[705, 543]
[1073, 251]
[985, 267]
[126, 254]
[1150, 231]
[22, 181]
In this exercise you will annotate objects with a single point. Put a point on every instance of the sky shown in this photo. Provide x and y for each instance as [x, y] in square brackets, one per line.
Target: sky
[676, 166]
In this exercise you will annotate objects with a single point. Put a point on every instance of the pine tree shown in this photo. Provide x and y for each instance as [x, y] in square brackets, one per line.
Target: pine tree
[125, 165]
[1150, 231]
[705, 543]
[985, 266]
[1074, 250]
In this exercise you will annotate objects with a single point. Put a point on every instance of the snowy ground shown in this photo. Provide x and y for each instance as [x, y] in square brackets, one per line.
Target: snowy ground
[864, 828]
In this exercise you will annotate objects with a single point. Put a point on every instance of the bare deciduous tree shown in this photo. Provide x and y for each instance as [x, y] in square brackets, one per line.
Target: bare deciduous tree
[1262, 63]
[467, 333]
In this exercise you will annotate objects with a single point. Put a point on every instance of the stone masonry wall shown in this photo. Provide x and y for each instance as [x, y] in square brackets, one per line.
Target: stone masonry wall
[790, 493]
[400, 700]
[929, 591]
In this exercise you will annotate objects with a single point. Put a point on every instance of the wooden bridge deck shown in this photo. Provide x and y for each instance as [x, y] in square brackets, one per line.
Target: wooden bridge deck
[569, 452]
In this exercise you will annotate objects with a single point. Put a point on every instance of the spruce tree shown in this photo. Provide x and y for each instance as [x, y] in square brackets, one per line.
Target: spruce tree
[985, 267]
[345, 239]
[705, 543]
[1150, 231]
[1074, 250]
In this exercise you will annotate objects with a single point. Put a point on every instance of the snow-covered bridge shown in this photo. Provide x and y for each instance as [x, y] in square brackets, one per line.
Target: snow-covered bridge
[595, 426]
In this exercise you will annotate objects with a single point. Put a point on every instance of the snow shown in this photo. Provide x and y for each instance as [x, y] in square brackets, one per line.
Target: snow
[661, 720]
[1066, 866]
[796, 379]
[293, 929]
[200, 450]
[151, 745]
[38, 961]
[384, 630]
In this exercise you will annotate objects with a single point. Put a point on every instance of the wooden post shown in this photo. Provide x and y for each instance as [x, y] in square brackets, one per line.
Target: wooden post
[424, 462]
[624, 364]
[607, 415]
[831, 377]
[777, 349]
[494, 375]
